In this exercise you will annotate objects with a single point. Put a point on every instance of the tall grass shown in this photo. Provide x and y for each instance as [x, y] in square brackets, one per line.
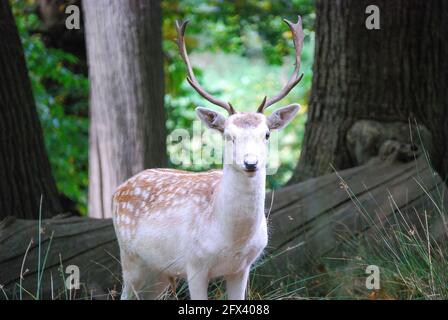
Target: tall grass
[412, 257]
[24, 293]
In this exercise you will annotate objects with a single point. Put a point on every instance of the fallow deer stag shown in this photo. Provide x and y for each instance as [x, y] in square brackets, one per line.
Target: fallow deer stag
[198, 226]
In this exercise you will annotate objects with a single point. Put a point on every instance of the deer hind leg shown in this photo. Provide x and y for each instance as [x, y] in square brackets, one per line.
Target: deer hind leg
[236, 285]
[135, 273]
[197, 283]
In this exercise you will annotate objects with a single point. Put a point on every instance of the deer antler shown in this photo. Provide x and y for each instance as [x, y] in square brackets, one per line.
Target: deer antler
[297, 34]
[180, 27]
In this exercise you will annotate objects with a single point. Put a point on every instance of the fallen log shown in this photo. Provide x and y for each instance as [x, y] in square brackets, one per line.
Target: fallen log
[89, 244]
[307, 221]
[315, 218]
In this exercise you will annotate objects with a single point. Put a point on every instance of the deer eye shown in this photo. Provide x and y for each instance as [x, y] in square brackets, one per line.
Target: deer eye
[268, 134]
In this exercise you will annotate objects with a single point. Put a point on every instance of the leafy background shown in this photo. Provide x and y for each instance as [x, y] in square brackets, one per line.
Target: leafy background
[241, 51]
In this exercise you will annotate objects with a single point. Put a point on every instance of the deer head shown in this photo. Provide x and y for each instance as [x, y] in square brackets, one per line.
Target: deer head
[246, 134]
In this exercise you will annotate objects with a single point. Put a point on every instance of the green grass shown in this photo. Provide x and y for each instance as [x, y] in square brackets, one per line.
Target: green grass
[413, 263]
[412, 257]
[24, 293]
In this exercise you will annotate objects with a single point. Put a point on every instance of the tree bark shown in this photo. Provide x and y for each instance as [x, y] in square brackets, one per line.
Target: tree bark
[24, 165]
[392, 74]
[127, 130]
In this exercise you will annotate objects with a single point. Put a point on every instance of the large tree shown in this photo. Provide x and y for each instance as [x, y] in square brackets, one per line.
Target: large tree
[127, 131]
[393, 74]
[24, 166]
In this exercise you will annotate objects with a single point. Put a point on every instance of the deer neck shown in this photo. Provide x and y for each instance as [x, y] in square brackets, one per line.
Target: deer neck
[239, 203]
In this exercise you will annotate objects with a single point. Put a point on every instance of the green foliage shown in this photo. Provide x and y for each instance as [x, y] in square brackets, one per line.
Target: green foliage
[230, 25]
[61, 98]
[241, 51]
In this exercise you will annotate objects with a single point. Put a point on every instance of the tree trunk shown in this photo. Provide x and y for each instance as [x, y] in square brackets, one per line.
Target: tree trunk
[307, 221]
[127, 130]
[392, 74]
[24, 165]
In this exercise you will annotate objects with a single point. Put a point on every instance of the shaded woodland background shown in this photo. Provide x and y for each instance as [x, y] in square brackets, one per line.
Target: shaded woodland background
[363, 168]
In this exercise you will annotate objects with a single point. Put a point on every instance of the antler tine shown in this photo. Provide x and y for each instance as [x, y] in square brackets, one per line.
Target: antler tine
[262, 105]
[297, 34]
[180, 27]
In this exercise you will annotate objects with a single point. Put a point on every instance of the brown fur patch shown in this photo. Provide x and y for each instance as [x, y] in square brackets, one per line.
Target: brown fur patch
[247, 120]
[154, 190]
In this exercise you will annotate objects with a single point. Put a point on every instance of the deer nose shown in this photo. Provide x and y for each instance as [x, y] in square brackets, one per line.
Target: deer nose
[250, 162]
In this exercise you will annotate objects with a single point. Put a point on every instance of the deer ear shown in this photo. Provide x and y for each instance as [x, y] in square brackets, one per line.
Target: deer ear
[212, 119]
[281, 117]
